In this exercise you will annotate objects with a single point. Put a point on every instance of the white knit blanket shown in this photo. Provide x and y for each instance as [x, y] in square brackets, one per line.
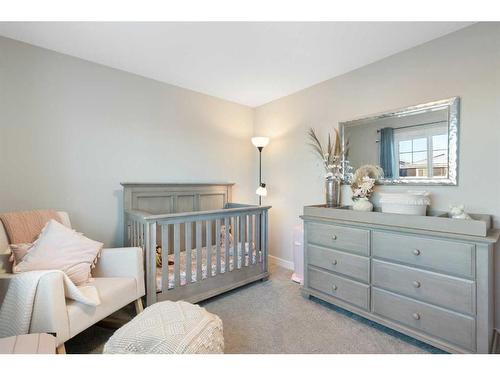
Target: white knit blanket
[17, 307]
[169, 328]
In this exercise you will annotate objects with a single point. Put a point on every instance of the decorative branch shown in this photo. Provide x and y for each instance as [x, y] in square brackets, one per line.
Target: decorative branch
[332, 157]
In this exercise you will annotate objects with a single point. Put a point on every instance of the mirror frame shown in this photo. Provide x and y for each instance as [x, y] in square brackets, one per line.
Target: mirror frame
[453, 105]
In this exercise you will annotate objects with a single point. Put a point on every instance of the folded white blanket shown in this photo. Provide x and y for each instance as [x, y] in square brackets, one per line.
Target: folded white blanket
[17, 307]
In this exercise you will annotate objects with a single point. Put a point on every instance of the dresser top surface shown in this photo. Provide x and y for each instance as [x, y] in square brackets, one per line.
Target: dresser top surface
[477, 230]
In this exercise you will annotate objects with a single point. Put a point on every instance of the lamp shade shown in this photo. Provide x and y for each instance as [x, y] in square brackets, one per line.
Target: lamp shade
[260, 141]
[261, 190]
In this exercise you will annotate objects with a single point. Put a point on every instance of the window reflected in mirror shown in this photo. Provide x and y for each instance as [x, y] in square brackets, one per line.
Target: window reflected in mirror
[422, 152]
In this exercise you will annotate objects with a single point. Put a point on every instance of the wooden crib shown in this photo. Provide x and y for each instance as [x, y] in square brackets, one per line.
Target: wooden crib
[205, 244]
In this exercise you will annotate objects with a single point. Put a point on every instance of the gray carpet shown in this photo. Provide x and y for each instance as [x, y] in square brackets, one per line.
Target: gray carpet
[273, 317]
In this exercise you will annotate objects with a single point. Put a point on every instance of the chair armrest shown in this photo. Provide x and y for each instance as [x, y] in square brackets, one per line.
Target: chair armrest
[122, 262]
[4, 284]
[50, 313]
[49, 308]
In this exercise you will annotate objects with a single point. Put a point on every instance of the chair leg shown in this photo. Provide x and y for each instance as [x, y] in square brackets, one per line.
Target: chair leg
[61, 349]
[495, 346]
[138, 306]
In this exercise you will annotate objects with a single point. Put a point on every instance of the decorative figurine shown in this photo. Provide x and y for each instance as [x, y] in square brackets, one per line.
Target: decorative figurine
[457, 212]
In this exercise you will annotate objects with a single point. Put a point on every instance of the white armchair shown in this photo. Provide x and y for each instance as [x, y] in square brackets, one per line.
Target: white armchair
[118, 277]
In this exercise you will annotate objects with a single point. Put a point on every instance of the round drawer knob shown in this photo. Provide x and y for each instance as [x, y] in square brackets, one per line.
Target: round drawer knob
[416, 316]
[416, 284]
[334, 262]
[416, 252]
[334, 287]
[334, 237]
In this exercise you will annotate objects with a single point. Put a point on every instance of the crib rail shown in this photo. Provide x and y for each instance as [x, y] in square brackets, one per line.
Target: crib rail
[211, 251]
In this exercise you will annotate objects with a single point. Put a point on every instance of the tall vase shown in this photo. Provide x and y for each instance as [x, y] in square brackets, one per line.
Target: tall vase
[332, 192]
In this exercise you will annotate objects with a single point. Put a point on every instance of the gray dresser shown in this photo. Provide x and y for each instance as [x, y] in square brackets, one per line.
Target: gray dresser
[428, 277]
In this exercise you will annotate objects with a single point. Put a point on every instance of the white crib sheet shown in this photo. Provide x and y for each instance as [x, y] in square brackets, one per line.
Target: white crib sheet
[194, 253]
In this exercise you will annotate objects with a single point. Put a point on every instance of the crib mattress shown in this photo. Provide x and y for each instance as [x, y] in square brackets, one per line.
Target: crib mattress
[204, 269]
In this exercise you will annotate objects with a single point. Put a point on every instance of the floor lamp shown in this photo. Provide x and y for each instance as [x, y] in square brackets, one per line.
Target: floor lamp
[260, 143]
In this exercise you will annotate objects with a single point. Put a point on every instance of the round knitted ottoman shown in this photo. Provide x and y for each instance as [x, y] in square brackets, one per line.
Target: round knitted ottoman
[169, 327]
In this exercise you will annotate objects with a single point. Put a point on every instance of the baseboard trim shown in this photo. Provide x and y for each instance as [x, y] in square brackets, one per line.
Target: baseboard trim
[281, 262]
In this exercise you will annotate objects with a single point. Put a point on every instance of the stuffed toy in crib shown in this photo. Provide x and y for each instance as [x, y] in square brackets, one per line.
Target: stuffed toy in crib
[158, 258]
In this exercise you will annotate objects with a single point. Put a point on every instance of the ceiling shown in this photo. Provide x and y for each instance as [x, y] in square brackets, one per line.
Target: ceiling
[250, 63]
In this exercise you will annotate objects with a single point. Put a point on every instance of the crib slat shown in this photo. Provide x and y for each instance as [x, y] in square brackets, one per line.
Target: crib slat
[139, 228]
[143, 235]
[247, 234]
[130, 234]
[251, 259]
[189, 272]
[227, 223]
[177, 254]
[241, 247]
[236, 240]
[246, 247]
[130, 238]
[148, 270]
[199, 254]
[242, 237]
[243, 228]
[265, 247]
[151, 252]
[217, 244]
[136, 233]
[209, 247]
[258, 236]
[139, 231]
[135, 228]
[164, 257]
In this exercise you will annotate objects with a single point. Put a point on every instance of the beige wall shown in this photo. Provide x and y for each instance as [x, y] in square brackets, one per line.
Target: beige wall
[465, 63]
[71, 131]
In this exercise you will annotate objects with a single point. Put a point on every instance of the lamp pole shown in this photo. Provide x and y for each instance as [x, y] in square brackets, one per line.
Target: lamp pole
[260, 172]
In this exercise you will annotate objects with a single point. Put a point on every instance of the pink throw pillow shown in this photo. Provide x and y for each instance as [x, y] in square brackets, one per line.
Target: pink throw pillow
[61, 248]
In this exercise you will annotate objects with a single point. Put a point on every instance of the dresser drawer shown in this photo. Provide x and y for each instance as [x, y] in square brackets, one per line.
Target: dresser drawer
[355, 266]
[338, 237]
[452, 327]
[451, 257]
[446, 291]
[339, 287]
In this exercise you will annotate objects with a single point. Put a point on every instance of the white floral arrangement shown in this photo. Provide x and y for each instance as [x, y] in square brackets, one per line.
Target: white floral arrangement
[365, 189]
[363, 181]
